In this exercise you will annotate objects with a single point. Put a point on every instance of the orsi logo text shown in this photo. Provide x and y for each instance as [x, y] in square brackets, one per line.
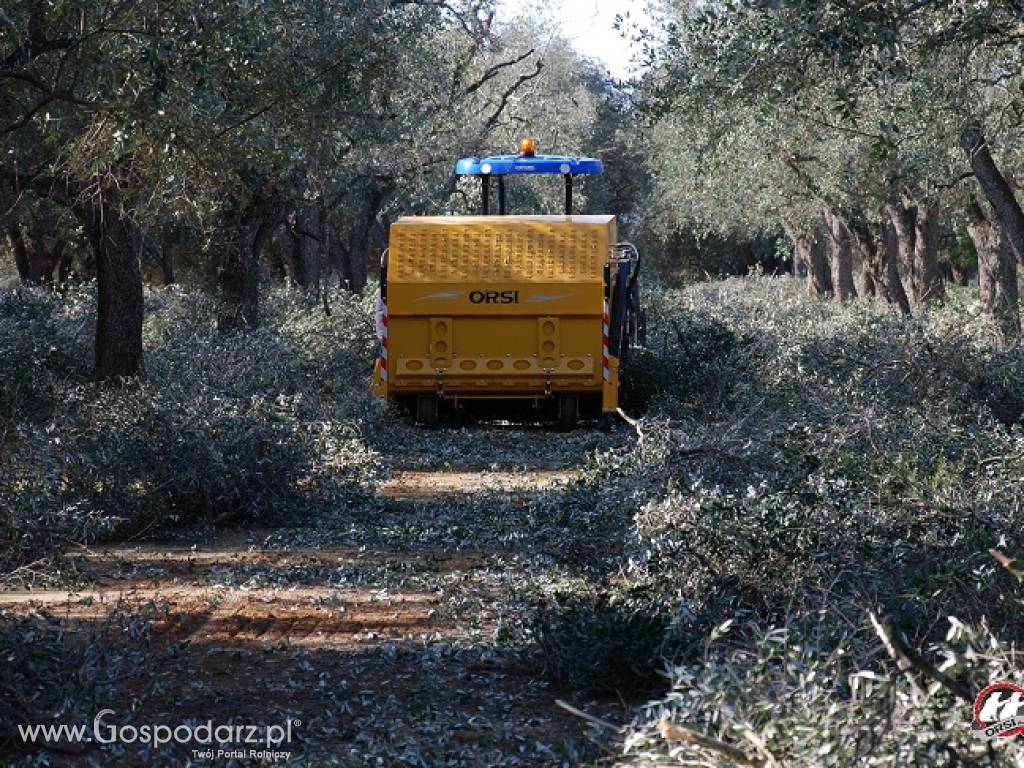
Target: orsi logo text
[494, 297]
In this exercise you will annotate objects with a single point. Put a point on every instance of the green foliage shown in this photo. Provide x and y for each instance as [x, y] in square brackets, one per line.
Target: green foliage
[822, 462]
[964, 255]
[226, 427]
[684, 364]
[60, 681]
[804, 699]
[33, 356]
[762, 114]
[799, 464]
[194, 117]
[602, 642]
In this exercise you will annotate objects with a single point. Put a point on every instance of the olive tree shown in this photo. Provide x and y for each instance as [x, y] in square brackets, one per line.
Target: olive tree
[921, 97]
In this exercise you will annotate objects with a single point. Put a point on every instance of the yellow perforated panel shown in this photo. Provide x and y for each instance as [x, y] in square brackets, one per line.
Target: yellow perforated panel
[505, 249]
[498, 306]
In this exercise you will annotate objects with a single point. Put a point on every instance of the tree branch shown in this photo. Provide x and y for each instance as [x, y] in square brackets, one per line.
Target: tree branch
[493, 119]
[494, 70]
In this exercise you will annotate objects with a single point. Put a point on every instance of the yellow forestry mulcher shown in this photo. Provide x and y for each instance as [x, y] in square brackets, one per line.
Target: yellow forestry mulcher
[502, 307]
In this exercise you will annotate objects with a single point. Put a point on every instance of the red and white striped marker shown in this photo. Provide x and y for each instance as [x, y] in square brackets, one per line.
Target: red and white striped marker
[382, 331]
[604, 344]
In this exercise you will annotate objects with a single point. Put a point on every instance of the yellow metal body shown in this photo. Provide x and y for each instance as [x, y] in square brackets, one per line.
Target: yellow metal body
[498, 307]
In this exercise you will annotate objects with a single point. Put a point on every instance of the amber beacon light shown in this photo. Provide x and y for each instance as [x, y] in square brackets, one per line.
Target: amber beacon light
[527, 147]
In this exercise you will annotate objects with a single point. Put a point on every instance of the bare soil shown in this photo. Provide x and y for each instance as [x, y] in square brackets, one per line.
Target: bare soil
[377, 651]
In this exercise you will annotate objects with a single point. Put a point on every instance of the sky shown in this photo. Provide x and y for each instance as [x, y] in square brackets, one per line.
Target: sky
[588, 25]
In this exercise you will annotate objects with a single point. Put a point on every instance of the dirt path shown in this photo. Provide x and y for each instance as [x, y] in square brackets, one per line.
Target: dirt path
[377, 631]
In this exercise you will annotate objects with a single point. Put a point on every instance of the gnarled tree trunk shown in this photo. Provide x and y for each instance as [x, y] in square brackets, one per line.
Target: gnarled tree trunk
[841, 252]
[819, 276]
[340, 259]
[997, 189]
[926, 279]
[307, 242]
[879, 254]
[892, 282]
[960, 275]
[64, 259]
[41, 226]
[119, 307]
[901, 234]
[809, 250]
[47, 251]
[239, 273]
[997, 275]
[170, 236]
[916, 242]
[20, 250]
[351, 263]
[867, 282]
[799, 266]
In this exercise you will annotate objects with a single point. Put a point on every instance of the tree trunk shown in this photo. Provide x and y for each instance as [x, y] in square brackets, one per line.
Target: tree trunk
[1000, 195]
[841, 251]
[291, 256]
[799, 267]
[280, 252]
[239, 274]
[926, 279]
[39, 229]
[802, 245]
[997, 276]
[167, 264]
[916, 245]
[307, 240]
[55, 269]
[359, 237]
[819, 277]
[891, 281]
[20, 251]
[879, 254]
[324, 244]
[341, 263]
[63, 262]
[867, 282]
[119, 307]
[961, 276]
[169, 238]
[903, 221]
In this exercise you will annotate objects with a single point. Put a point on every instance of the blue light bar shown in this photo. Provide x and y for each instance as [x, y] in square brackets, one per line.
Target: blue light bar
[504, 165]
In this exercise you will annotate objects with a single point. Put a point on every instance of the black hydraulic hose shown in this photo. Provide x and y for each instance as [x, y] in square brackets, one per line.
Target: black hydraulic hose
[636, 272]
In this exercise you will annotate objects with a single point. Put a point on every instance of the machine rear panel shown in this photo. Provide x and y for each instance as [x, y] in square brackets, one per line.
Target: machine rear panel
[508, 306]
